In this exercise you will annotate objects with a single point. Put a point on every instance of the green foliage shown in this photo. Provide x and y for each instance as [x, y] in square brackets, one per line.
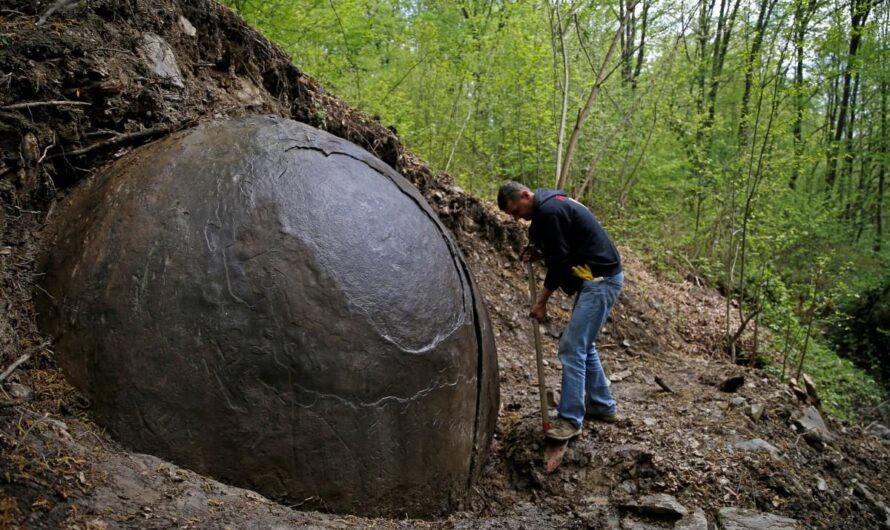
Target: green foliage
[466, 85]
[667, 159]
[844, 388]
[862, 332]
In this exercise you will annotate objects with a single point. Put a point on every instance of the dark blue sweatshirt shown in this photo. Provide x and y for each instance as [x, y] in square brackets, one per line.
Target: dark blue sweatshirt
[568, 235]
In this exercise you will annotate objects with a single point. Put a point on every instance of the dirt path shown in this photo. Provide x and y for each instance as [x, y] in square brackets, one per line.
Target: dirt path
[693, 443]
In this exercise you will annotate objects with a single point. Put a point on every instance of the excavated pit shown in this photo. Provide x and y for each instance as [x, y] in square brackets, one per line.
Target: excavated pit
[272, 305]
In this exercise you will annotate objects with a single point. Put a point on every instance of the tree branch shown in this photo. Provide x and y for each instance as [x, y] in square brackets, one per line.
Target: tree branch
[54, 103]
[594, 90]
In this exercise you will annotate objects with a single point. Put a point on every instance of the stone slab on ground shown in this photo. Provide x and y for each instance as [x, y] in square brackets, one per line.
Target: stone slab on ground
[659, 505]
[814, 428]
[741, 519]
[758, 444]
[696, 520]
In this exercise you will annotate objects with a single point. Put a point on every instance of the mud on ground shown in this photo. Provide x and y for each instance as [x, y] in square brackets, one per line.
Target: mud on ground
[60, 469]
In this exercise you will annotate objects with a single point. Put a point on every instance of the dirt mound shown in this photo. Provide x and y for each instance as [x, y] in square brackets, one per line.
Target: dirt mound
[96, 79]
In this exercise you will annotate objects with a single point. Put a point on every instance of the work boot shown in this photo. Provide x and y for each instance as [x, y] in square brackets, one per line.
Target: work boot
[562, 429]
[605, 418]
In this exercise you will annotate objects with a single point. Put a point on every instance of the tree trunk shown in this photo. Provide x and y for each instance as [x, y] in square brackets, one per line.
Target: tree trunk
[786, 346]
[863, 182]
[798, 97]
[725, 24]
[882, 172]
[725, 21]
[560, 36]
[811, 315]
[859, 12]
[627, 40]
[801, 20]
[846, 195]
[751, 186]
[591, 99]
[831, 111]
[641, 50]
[766, 8]
[704, 24]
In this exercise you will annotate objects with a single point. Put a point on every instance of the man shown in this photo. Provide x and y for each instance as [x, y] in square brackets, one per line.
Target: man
[582, 260]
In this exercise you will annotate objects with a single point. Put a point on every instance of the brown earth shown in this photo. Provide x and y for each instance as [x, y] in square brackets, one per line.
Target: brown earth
[60, 469]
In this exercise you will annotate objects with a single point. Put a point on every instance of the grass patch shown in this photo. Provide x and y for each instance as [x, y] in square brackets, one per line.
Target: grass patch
[843, 387]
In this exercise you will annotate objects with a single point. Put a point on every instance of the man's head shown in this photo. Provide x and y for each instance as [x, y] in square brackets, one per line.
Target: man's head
[516, 199]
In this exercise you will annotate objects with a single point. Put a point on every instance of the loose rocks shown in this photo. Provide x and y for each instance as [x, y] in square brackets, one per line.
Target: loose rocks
[696, 520]
[757, 444]
[813, 426]
[659, 505]
[739, 519]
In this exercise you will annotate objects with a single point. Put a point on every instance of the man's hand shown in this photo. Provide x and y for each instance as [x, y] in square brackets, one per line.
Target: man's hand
[539, 311]
[530, 253]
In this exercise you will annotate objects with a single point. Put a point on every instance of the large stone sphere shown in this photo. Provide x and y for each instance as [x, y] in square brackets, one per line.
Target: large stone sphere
[271, 305]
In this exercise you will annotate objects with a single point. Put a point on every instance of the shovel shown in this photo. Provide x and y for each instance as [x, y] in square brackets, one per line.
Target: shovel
[553, 449]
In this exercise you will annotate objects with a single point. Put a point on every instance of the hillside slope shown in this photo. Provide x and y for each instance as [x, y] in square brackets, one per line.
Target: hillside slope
[694, 443]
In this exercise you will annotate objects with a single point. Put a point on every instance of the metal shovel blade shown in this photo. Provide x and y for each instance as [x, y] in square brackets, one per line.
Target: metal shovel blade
[554, 450]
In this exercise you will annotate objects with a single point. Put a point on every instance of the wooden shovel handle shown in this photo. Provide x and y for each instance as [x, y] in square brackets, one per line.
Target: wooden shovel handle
[539, 355]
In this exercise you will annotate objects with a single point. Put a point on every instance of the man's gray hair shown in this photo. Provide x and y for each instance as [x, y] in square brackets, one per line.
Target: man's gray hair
[510, 191]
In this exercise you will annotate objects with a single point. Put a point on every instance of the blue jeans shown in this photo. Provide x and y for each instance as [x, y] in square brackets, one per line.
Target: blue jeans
[583, 380]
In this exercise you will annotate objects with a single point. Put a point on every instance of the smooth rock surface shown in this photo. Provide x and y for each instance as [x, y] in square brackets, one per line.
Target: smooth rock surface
[271, 305]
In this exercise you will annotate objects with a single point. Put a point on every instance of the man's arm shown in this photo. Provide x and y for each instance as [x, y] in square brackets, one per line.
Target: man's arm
[539, 310]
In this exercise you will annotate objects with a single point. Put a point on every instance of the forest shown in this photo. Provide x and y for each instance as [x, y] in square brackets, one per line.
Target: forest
[741, 144]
